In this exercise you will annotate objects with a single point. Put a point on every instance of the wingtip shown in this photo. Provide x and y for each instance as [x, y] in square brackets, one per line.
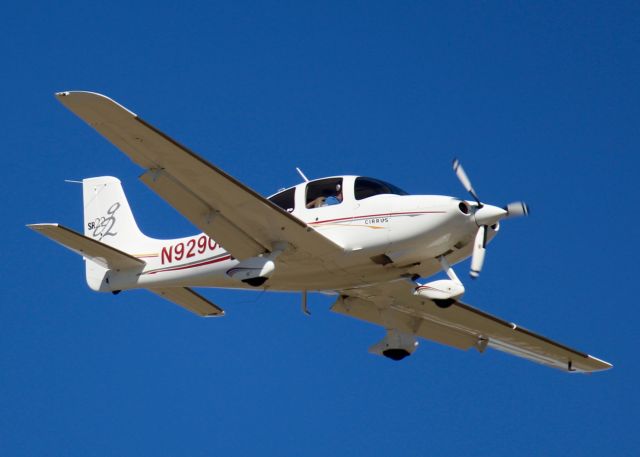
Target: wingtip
[68, 93]
[77, 100]
[40, 225]
[606, 365]
[209, 316]
[600, 365]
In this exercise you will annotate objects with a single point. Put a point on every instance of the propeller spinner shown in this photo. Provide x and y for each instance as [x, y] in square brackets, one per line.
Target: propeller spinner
[485, 216]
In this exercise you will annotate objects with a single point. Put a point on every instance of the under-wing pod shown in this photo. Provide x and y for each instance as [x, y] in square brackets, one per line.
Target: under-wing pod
[443, 289]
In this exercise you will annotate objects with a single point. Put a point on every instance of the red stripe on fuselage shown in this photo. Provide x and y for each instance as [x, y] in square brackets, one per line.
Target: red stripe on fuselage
[194, 265]
[406, 213]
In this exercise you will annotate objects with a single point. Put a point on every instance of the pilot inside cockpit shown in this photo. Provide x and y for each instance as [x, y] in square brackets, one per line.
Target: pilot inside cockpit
[334, 198]
[328, 198]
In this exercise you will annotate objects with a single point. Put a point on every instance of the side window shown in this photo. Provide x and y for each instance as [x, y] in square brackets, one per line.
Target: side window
[368, 187]
[324, 192]
[285, 199]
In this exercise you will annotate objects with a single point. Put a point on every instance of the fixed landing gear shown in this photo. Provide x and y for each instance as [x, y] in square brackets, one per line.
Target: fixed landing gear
[443, 292]
[395, 345]
[255, 282]
[444, 303]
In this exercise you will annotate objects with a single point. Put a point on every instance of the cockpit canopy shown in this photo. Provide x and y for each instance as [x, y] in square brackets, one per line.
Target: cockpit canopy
[333, 191]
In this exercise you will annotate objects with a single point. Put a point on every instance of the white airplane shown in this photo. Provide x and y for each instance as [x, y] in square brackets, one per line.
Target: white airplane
[361, 239]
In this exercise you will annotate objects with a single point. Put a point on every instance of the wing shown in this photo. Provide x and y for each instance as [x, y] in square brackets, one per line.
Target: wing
[241, 220]
[459, 325]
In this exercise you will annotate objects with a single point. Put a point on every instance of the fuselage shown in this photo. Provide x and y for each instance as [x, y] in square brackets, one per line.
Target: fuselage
[384, 233]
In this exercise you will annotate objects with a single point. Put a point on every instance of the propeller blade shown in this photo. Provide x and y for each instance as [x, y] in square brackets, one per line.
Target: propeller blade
[464, 179]
[479, 251]
[485, 216]
[517, 209]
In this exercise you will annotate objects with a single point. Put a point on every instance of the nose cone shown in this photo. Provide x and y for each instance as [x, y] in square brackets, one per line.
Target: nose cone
[489, 215]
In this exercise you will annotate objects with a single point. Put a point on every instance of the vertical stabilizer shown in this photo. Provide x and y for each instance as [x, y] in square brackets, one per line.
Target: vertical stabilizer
[108, 217]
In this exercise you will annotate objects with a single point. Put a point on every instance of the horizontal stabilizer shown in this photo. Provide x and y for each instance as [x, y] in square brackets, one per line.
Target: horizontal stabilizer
[189, 300]
[96, 251]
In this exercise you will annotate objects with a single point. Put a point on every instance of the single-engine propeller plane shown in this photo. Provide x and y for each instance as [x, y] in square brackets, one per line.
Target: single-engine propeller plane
[361, 239]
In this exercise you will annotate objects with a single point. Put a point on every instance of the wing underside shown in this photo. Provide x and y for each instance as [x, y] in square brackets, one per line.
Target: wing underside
[241, 220]
[461, 326]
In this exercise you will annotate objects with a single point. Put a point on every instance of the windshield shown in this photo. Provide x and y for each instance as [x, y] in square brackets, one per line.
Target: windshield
[368, 187]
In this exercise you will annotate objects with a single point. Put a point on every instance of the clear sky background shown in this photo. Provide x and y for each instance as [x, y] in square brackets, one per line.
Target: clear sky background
[540, 100]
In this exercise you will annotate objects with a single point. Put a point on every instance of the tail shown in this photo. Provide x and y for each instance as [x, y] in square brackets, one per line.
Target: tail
[112, 239]
[108, 217]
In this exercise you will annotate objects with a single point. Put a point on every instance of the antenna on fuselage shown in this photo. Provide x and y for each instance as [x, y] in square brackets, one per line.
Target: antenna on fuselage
[302, 174]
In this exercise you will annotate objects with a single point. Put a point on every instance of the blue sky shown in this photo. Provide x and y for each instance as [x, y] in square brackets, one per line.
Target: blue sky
[539, 100]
